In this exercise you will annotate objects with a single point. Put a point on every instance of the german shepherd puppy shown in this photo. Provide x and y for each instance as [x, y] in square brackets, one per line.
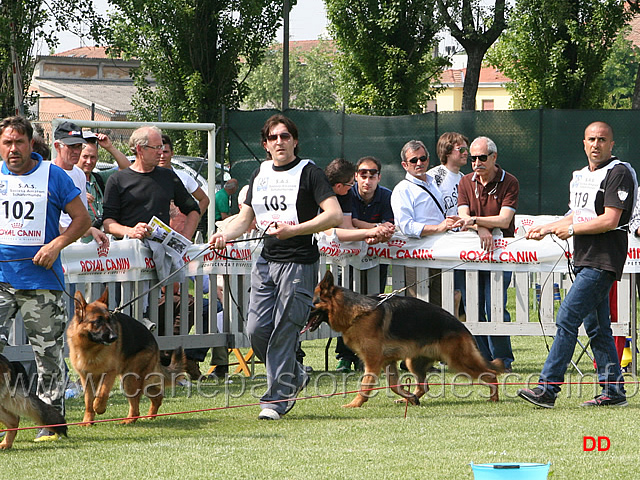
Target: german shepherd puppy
[103, 345]
[400, 328]
[15, 400]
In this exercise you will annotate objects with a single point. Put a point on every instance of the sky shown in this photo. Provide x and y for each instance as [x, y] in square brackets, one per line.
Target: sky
[307, 21]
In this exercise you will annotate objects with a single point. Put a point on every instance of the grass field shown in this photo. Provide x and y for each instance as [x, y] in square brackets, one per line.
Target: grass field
[320, 440]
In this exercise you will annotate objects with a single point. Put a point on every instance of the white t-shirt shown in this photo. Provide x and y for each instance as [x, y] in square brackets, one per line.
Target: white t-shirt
[447, 182]
[80, 181]
[189, 182]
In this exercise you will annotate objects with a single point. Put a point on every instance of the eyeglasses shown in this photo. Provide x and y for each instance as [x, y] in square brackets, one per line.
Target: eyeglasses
[482, 158]
[153, 147]
[423, 159]
[285, 137]
[75, 146]
[348, 184]
[367, 173]
[462, 149]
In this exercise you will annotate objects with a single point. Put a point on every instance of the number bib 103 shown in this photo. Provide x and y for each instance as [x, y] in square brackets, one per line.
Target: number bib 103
[275, 194]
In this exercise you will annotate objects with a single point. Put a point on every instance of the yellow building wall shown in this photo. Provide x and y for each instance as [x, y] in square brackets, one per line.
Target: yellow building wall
[499, 96]
[451, 98]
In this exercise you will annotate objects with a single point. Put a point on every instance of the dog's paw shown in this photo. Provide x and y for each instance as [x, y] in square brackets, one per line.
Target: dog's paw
[412, 400]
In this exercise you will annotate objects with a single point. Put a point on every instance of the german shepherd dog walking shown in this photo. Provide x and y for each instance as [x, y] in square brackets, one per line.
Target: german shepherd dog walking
[103, 345]
[400, 328]
[15, 400]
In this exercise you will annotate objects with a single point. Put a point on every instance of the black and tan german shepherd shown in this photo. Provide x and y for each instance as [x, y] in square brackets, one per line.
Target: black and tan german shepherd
[104, 345]
[400, 328]
[15, 400]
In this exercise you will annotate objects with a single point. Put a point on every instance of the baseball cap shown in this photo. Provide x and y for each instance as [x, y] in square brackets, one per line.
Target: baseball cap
[89, 135]
[69, 134]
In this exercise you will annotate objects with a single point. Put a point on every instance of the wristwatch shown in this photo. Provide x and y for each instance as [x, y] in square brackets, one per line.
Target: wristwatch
[570, 230]
[474, 220]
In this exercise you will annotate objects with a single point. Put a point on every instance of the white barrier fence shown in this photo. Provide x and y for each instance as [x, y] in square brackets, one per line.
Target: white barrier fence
[127, 268]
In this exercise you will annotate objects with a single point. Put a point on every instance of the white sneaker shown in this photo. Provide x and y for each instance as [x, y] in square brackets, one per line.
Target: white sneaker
[269, 414]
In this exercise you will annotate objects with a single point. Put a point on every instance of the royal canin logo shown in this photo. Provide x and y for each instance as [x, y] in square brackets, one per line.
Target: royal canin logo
[103, 250]
[396, 243]
[527, 222]
[499, 244]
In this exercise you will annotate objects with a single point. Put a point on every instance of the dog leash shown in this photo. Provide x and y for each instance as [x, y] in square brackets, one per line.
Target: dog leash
[387, 296]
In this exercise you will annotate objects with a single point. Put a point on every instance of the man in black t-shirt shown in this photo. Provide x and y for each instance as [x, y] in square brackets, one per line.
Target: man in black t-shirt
[284, 196]
[602, 197]
[134, 195]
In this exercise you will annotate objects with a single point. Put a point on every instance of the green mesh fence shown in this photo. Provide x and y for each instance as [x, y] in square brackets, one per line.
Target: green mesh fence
[540, 147]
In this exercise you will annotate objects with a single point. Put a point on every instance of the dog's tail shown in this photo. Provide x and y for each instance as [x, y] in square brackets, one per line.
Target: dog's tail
[20, 403]
[175, 368]
[16, 399]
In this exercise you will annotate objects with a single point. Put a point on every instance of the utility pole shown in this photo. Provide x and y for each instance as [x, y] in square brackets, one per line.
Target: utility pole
[285, 56]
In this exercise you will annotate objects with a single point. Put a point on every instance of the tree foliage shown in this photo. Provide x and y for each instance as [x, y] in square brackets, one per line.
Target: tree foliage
[555, 51]
[386, 63]
[24, 24]
[311, 79]
[476, 26]
[192, 50]
[620, 71]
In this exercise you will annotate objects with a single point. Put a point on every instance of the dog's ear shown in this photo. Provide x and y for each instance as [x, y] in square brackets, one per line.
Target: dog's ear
[80, 304]
[327, 281]
[105, 297]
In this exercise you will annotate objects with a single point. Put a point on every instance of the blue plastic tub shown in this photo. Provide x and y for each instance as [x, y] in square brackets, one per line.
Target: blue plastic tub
[510, 471]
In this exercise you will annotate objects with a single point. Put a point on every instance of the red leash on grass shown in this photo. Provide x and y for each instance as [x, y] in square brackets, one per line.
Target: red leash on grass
[327, 395]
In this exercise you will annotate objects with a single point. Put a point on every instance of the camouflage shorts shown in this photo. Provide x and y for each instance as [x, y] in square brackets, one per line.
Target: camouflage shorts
[44, 321]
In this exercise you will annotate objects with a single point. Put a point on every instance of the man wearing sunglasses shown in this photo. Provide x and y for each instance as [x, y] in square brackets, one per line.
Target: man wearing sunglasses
[418, 208]
[372, 201]
[487, 199]
[285, 195]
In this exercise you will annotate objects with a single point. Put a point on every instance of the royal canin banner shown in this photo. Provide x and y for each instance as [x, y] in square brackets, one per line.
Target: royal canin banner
[461, 250]
[130, 260]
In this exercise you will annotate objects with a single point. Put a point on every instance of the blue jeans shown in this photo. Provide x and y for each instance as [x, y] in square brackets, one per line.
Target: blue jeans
[492, 347]
[588, 302]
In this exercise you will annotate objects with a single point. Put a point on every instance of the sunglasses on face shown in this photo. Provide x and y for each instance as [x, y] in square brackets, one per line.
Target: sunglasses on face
[285, 136]
[367, 172]
[462, 149]
[482, 158]
[423, 159]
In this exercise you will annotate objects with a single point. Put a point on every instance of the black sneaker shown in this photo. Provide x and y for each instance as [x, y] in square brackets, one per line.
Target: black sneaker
[291, 403]
[538, 396]
[606, 401]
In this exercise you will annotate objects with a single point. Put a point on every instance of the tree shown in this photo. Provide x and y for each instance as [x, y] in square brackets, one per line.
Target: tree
[311, 79]
[192, 49]
[386, 61]
[23, 24]
[620, 71]
[555, 51]
[476, 28]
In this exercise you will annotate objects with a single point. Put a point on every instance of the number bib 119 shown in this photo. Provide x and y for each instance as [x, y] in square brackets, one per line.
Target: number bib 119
[275, 195]
[584, 188]
[23, 207]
